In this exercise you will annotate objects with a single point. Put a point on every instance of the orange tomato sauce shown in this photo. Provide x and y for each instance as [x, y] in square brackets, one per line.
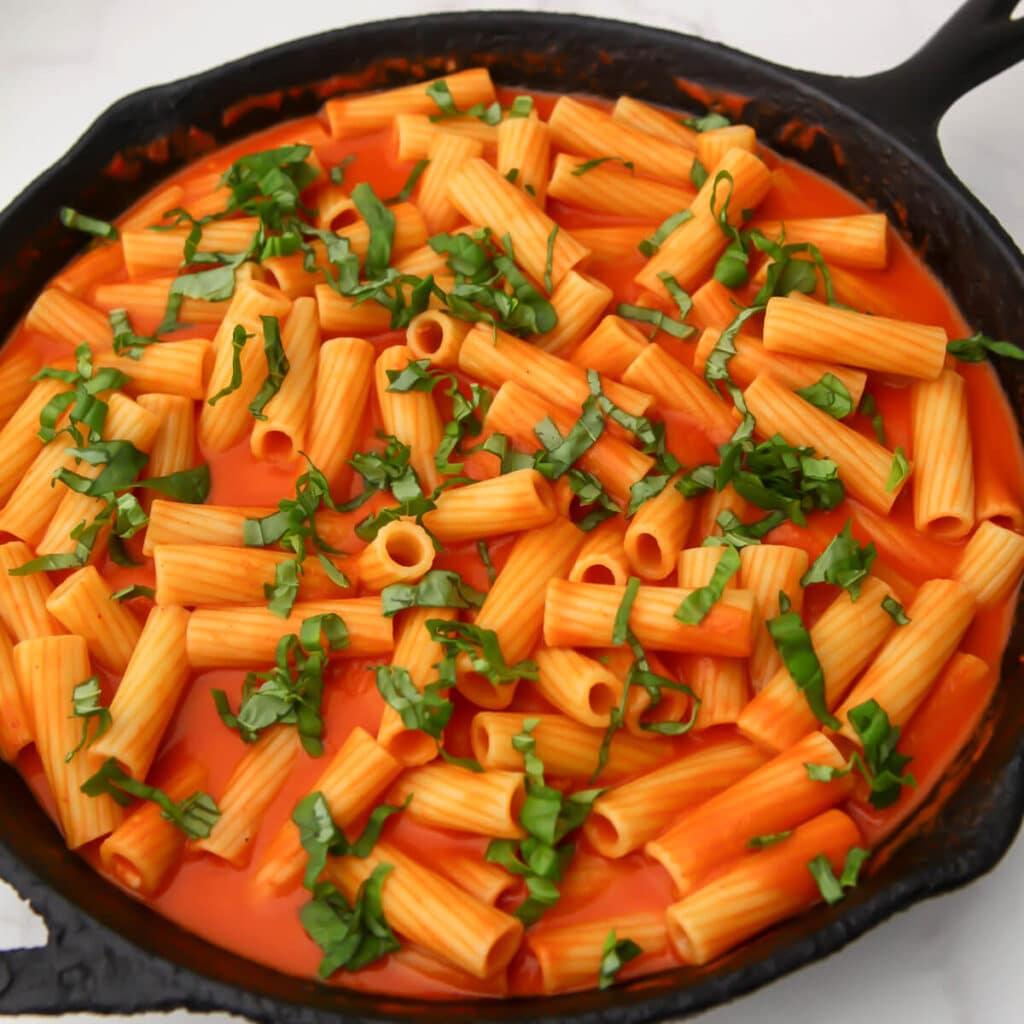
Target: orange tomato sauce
[218, 902]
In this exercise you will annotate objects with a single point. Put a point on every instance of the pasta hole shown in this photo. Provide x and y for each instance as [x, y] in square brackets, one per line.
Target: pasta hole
[598, 572]
[648, 552]
[516, 802]
[406, 549]
[126, 872]
[410, 745]
[1006, 521]
[949, 527]
[428, 337]
[602, 698]
[480, 739]
[680, 939]
[603, 834]
[277, 446]
[344, 219]
[502, 951]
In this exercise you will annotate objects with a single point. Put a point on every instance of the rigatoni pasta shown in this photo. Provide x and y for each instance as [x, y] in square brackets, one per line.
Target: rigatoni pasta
[473, 541]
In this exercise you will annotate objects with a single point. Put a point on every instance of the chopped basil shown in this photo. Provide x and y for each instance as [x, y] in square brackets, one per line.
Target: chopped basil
[620, 627]
[639, 674]
[880, 765]
[390, 471]
[291, 692]
[427, 710]
[238, 339]
[740, 535]
[793, 642]
[772, 475]
[321, 838]
[439, 588]
[868, 408]
[895, 610]
[522, 106]
[897, 471]
[351, 937]
[978, 347]
[615, 954]
[645, 489]
[732, 268]
[649, 246]
[277, 367]
[843, 563]
[485, 557]
[786, 273]
[410, 183]
[829, 395]
[195, 816]
[661, 321]
[86, 703]
[561, 453]
[87, 412]
[589, 165]
[477, 296]
[760, 842]
[481, 647]
[548, 816]
[884, 766]
[708, 122]
[832, 889]
[381, 222]
[337, 174]
[678, 293]
[131, 592]
[89, 225]
[591, 504]
[698, 174]
[549, 259]
[188, 485]
[126, 341]
[467, 413]
[696, 606]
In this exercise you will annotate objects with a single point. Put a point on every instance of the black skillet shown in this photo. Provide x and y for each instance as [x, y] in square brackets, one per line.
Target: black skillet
[107, 953]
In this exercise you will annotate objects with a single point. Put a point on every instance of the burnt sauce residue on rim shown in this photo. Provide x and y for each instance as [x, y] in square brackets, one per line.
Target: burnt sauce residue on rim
[150, 963]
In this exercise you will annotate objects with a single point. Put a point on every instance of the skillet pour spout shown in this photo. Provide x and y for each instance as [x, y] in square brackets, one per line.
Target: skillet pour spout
[875, 136]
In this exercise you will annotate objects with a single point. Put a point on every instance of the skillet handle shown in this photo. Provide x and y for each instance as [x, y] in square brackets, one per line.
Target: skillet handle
[978, 42]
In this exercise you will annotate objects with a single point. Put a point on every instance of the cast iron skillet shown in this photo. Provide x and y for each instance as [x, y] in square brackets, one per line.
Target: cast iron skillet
[108, 953]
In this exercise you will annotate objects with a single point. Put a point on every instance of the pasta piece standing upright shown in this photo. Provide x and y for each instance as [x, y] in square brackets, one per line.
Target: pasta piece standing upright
[281, 433]
[410, 416]
[48, 670]
[224, 417]
[343, 381]
[524, 147]
[447, 153]
[16, 730]
[23, 598]
[943, 463]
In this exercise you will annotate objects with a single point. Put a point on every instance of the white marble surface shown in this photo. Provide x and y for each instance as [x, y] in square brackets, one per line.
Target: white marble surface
[954, 960]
